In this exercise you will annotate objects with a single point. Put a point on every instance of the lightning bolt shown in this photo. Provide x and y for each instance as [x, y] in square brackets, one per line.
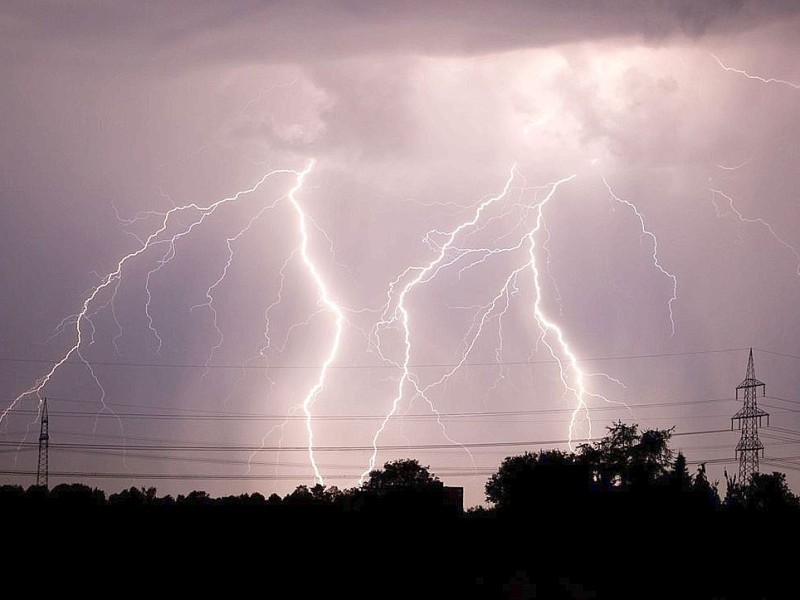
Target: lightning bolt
[162, 262]
[760, 221]
[81, 322]
[396, 311]
[324, 299]
[656, 263]
[395, 314]
[209, 303]
[756, 77]
[549, 327]
[401, 314]
[553, 282]
[735, 167]
[279, 348]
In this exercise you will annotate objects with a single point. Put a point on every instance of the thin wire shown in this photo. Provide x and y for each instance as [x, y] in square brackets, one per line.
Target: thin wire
[359, 367]
[221, 416]
[219, 448]
[248, 477]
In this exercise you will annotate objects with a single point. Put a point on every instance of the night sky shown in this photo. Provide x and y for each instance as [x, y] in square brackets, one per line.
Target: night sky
[219, 206]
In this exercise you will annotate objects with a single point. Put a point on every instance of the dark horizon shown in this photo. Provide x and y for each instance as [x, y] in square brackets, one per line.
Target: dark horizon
[627, 503]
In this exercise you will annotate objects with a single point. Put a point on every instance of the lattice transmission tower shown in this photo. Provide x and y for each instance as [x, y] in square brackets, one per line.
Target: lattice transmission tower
[749, 419]
[44, 447]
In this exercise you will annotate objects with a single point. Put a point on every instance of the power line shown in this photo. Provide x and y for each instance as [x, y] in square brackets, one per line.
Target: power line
[786, 458]
[212, 477]
[209, 461]
[793, 410]
[303, 465]
[224, 416]
[194, 442]
[792, 466]
[489, 417]
[248, 477]
[220, 448]
[365, 367]
[452, 419]
[790, 400]
[782, 429]
[794, 356]
[255, 448]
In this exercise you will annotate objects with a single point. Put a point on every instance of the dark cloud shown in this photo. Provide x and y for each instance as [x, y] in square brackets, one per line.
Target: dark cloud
[171, 34]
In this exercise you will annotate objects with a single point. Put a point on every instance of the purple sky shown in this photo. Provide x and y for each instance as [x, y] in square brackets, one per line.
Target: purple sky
[112, 114]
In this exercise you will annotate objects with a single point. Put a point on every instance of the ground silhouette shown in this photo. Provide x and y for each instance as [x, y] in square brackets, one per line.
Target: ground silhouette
[620, 517]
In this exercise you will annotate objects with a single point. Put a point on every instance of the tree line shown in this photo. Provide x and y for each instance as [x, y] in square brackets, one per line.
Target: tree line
[617, 518]
[626, 470]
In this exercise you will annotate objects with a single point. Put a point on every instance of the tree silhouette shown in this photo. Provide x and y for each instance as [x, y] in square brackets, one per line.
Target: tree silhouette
[534, 479]
[626, 459]
[77, 494]
[316, 495]
[678, 478]
[403, 474]
[623, 460]
[402, 487]
[765, 492]
[195, 498]
[12, 495]
[704, 492]
[770, 492]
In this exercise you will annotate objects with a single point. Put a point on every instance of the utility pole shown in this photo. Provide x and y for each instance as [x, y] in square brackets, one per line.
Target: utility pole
[749, 420]
[44, 448]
